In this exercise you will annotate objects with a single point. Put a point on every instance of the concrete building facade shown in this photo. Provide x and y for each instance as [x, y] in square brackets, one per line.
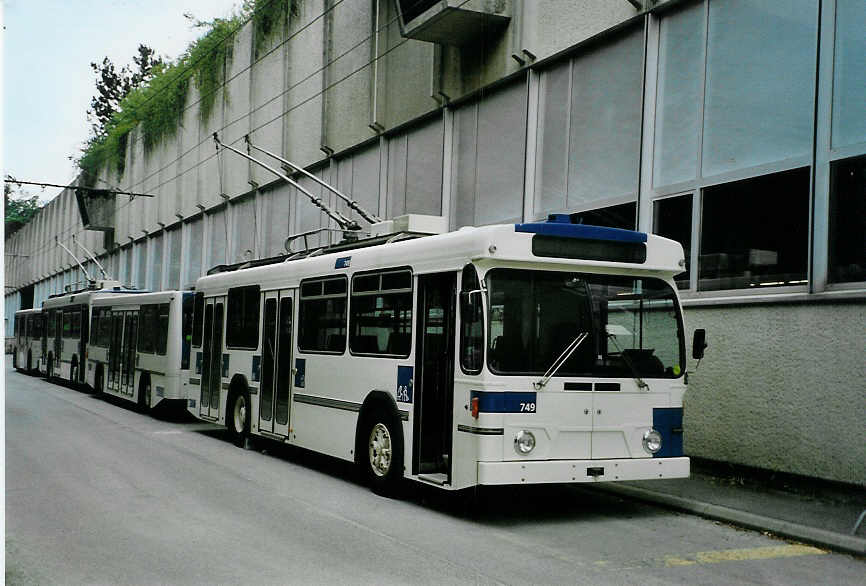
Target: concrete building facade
[737, 127]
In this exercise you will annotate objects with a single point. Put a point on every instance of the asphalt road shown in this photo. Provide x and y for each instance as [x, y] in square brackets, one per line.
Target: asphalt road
[97, 493]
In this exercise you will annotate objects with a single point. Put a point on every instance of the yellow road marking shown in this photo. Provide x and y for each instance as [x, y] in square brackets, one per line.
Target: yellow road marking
[735, 555]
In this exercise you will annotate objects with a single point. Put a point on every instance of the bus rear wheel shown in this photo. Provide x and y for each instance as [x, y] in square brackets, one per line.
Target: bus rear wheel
[381, 458]
[144, 397]
[238, 418]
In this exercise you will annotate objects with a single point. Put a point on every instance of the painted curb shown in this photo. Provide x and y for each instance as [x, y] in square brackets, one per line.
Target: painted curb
[813, 535]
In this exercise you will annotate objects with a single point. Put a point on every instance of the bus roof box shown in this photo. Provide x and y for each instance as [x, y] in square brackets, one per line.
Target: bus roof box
[414, 223]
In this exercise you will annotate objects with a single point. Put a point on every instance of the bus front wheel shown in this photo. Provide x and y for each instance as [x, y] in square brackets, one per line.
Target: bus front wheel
[381, 457]
[238, 417]
[144, 398]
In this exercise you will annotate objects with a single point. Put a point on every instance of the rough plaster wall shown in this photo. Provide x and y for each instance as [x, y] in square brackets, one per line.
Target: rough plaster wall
[236, 121]
[268, 79]
[781, 387]
[188, 138]
[303, 81]
[405, 72]
[560, 24]
[348, 99]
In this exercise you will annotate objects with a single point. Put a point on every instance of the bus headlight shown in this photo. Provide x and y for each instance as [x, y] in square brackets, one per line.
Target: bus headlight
[652, 441]
[524, 442]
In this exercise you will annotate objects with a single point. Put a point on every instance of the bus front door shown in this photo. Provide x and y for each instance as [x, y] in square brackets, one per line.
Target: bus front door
[434, 370]
[211, 364]
[276, 375]
[128, 347]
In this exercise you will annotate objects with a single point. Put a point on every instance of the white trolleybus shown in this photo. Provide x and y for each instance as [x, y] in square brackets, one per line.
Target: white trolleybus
[546, 352]
[67, 329]
[140, 347]
[30, 342]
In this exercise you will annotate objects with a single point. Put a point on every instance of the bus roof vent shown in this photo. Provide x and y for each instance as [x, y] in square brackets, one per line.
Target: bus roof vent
[411, 223]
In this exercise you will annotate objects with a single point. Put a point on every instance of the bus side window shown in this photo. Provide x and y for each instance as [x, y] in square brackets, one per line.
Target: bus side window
[471, 322]
[381, 318]
[322, 315]
[161, 325]
[186, 319]
[197, 319]
[94, 326]
[242, 317]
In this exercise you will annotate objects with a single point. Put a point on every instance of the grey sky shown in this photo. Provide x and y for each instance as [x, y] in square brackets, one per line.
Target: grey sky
[48, 46]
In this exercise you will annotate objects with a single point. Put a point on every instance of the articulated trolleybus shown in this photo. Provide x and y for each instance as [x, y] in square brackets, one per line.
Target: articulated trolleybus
[139, 347]
[546, 352]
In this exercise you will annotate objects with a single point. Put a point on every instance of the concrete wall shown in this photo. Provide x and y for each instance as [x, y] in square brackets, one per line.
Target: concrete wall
[781, 387]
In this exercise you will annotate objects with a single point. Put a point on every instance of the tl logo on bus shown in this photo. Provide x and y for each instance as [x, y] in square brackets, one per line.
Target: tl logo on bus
[404, 384]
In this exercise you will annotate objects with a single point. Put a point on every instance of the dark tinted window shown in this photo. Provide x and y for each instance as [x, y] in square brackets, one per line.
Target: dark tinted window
[153, 328]
[242, 317]
[848, 220]
[672, 218]
[95, 318]
[381, 320]
[187, 310]
[322, 315]
[51, 328]
[755, 232]
[197, 319]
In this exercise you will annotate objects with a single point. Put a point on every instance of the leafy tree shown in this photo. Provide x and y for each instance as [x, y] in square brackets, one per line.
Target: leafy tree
[19, 210]
[112, 86]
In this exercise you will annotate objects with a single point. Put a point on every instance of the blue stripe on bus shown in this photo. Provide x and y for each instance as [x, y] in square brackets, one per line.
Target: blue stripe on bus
[504, 402]
[583, 231]
[668, 421]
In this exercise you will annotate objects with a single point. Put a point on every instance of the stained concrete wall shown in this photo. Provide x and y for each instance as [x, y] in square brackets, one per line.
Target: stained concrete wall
[781, 387]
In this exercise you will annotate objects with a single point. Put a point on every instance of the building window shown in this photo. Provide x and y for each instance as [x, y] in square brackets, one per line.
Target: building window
[848, 220]
[672, 218]
[322, 315]
[381, 319]
[618, 216]
[242, 317]
[755, 232]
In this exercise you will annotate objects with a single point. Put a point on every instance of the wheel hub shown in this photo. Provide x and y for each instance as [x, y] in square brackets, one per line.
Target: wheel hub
[240, 413]
[379, 449]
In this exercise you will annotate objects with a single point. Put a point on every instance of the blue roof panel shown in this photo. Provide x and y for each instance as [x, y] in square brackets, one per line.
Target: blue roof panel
[583, 231]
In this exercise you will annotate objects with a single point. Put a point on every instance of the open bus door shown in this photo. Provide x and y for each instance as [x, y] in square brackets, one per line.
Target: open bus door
[434, 370]
[122, 351]
[211, 365]
[276, 377]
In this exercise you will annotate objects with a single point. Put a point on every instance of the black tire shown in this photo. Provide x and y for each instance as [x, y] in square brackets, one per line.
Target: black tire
[144, 394]
[15, 359]
[73, 372]
[29, 362]
[380, 451]
[98, 382]
[49, 369]
[238, 417]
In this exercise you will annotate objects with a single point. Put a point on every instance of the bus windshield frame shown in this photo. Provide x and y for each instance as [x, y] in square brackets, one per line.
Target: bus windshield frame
[634, 323]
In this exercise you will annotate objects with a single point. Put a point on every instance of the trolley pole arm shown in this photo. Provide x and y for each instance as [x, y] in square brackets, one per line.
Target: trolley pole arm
[92, 257]
[372, 218]
[342, 221]
[72, 254]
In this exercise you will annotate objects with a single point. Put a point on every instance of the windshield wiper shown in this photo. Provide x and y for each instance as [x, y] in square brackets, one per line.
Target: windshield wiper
[557, 364]
[640, 382]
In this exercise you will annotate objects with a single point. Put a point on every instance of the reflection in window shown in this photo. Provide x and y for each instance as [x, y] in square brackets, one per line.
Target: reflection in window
[471, 322]
[633, 324]
[755, 232]
[242, 317]
[381, 320]
[322, 315]
[619, 216]
[672, 218]
[848, 220]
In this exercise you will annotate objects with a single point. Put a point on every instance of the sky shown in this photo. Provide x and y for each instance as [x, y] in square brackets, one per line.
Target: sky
[47, 82]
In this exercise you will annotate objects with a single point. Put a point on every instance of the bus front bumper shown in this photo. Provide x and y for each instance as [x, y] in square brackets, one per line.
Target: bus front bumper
[564, 471]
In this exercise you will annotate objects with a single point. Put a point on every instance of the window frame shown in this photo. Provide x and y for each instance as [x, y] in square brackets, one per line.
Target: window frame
[379, 293]
[245, 294]
[323, 296]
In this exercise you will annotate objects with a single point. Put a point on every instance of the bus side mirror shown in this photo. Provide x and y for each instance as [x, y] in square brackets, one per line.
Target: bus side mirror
[699, 343]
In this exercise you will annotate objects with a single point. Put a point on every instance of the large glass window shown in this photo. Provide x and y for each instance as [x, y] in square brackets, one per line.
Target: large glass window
[672, 218]
[187, 312]
[197, 319]
[415, 170]
[619, 216]
[242, 317]
[322, 315]
[849, 74]
[755, 232]
[381, 314]
[848, 220]
[153, 328]
[633, 324]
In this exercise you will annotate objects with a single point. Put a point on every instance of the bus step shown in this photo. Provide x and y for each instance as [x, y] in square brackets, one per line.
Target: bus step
[440, 479]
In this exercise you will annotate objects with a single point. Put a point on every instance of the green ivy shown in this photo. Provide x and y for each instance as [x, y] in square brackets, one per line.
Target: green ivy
[157, 108]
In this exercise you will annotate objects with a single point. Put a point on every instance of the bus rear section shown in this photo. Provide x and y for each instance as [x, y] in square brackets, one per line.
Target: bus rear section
[139, 347]
[29, 348]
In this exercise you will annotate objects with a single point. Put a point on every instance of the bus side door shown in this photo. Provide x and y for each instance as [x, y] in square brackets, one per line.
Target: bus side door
[276, 377]
[211, 367]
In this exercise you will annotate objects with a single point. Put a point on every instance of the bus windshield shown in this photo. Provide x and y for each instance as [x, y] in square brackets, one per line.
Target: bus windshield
[633, 324]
